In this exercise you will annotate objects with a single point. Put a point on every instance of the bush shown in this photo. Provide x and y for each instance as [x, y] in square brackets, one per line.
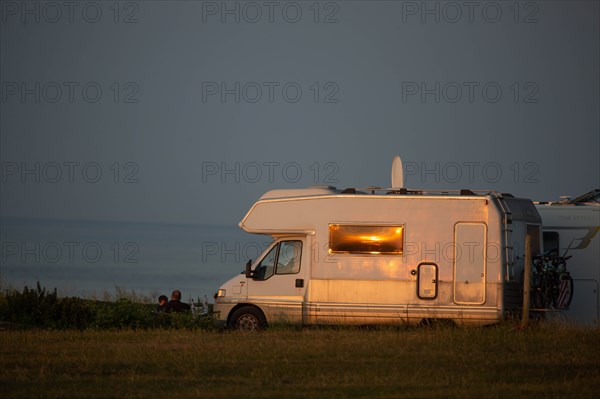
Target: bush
[40, 308]
[44, 309]
[123, 313]
[184, 320]
[72, 312]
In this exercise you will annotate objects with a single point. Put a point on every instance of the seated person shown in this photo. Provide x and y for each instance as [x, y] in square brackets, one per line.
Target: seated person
[175, 305]
[162, 302]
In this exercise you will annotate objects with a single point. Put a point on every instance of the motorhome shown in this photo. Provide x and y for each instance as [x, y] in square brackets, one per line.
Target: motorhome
[571, 227]
[381, 256]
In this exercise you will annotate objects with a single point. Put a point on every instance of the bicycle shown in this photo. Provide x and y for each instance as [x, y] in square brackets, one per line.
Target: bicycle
[551, 282]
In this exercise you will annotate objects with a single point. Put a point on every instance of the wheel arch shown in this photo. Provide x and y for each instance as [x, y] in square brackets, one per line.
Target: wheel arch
[243, 305]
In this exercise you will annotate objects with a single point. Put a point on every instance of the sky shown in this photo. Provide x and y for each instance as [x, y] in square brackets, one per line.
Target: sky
[188, 111]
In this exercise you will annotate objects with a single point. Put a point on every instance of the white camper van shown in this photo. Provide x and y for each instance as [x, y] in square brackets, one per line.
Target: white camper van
[571, 226]
[380, 256]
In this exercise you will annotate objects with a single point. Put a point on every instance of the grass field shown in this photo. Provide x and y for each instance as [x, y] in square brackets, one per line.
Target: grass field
[499, 362]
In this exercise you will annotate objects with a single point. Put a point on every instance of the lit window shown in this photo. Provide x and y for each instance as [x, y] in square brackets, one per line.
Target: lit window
[362, 239]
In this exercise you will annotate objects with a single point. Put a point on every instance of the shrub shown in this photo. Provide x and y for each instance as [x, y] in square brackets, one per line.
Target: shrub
[183, 320]
[123, 313]
[41, 308]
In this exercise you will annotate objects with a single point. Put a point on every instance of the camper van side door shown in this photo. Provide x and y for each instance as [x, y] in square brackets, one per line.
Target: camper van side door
[278, 283]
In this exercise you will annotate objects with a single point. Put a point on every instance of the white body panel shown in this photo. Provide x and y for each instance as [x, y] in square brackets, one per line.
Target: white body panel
[457, 261]
[578, 229]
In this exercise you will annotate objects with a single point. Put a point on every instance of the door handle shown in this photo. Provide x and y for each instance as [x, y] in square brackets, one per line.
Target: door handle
[299, 282]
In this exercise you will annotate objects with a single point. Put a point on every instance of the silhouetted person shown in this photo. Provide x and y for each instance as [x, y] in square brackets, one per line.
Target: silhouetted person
[162, 303]
[175, 305]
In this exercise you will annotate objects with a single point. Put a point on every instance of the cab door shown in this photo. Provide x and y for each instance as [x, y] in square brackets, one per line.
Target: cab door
[278, 282]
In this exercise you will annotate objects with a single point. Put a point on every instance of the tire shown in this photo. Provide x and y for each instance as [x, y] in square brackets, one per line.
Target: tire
[548, 292]
[536, 297]
[538, 292]
[565, 293]
[247, 319]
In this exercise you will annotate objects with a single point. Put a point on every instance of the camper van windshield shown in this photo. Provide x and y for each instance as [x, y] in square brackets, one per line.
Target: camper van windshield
[363, 239]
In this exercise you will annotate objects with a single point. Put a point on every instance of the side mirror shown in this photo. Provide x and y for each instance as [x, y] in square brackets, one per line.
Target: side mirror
[248, 270]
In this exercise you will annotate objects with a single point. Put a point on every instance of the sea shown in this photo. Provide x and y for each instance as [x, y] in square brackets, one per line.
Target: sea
[100, 259]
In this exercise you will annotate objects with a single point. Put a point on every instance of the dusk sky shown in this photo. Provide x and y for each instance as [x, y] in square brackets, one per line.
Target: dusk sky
[188, 111]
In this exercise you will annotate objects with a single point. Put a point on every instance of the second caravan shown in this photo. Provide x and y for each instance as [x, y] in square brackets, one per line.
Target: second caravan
[571, 228]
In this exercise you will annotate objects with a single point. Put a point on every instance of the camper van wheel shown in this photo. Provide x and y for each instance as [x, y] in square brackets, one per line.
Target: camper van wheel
[248, 319]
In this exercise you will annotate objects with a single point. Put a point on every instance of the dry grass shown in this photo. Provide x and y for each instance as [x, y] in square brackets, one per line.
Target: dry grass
[544, 361]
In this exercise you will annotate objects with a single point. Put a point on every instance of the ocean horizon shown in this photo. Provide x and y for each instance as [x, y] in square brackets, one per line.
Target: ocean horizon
[98, 258]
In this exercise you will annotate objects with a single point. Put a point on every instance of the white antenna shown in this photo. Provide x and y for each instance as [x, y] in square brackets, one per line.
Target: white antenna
[397, 173]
